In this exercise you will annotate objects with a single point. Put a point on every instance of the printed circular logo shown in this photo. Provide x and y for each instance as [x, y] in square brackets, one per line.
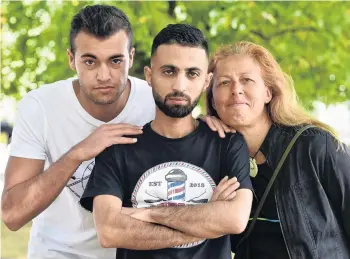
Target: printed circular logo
[173, 184]
[79, 180]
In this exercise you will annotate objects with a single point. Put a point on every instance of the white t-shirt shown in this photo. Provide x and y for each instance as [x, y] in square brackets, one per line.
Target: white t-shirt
[50, 120]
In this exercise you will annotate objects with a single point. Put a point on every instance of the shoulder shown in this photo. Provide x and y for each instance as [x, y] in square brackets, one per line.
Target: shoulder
[138, 82]
[141, 86]
[51, 90]
[234, 142]
[142, 94]
[230, 137]
[143, 141]
[308, 136]
[316, 140]
[235, 138]
[231, 140]
[49, 94]
[109, 154]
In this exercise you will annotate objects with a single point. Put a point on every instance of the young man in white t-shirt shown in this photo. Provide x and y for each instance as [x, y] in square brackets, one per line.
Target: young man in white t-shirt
[61, 127]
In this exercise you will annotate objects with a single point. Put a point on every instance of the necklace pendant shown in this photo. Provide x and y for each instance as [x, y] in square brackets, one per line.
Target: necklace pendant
[253, 167]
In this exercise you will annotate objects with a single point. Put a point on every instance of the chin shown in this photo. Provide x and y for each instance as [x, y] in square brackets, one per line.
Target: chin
[104, 101]
[236, 121]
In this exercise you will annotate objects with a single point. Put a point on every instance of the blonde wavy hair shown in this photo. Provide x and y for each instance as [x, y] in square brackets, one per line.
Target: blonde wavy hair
[284, 107]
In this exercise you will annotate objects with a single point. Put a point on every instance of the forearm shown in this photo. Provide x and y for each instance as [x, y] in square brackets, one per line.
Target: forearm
[210, 220]
[23, 202]
[134, 234]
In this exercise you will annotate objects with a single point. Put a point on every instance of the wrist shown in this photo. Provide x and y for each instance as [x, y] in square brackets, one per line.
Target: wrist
[147, 215]
[157, 215]
[73, 156]
[149, 212]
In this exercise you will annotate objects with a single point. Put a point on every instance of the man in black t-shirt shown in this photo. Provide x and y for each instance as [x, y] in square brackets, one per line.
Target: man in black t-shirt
[141, 194]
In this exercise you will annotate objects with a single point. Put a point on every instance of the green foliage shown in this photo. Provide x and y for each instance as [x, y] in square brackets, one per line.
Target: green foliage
[310, 40]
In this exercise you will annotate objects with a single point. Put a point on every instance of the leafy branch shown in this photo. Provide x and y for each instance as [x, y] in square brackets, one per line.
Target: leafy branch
[282, 32]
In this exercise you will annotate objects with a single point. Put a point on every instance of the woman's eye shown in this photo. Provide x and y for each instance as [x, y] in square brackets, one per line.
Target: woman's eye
[246, 79]
[226, 82]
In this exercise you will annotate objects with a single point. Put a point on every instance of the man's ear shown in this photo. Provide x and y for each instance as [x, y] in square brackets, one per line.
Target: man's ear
[131, 57]
[148, 74]
[71, 59]
[208, 79]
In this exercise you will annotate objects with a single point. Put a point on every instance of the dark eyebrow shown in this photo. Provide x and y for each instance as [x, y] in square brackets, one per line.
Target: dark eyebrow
[187, 69]
[116, 56]
[193, 68]
[168, 66]
[89, 55]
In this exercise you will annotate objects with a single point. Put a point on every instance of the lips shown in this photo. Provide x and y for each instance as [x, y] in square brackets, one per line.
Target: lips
[237, 104]
[177, 99]
[103, 87]
[104, 90]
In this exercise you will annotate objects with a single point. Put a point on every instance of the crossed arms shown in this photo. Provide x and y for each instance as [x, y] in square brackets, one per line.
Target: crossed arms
[162, 227]
[156, 228]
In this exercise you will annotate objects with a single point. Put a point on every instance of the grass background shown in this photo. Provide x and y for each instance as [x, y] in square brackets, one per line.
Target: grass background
[14, 244]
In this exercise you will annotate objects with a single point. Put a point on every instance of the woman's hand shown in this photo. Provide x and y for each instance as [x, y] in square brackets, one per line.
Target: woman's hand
[216, 124]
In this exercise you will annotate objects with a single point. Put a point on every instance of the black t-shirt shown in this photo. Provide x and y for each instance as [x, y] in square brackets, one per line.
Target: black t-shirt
[266, 240]
[157, 171]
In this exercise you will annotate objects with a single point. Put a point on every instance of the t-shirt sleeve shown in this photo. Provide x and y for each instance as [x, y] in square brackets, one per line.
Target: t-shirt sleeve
[105, 178]
[29, 132]
[237, 161]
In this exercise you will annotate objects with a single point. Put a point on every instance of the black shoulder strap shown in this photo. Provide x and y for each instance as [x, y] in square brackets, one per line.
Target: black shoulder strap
[272, 180]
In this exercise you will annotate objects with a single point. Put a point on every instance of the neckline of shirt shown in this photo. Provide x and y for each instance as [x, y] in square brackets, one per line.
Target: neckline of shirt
[147, 128]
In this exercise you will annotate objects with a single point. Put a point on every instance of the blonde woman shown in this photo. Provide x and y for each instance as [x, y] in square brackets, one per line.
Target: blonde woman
[306, 214]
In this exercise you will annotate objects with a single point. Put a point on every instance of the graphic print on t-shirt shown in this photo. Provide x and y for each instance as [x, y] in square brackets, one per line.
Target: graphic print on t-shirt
[173, 184]
[80, 178]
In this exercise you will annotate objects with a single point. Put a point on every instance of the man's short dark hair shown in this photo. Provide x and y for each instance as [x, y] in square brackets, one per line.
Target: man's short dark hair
[182, 34]
[101, 21]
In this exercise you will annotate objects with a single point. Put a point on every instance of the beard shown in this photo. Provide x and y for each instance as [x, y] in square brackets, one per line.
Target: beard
[175, 111]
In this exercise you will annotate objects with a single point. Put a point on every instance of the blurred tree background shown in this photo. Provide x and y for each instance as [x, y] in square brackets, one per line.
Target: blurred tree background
[311, 40]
